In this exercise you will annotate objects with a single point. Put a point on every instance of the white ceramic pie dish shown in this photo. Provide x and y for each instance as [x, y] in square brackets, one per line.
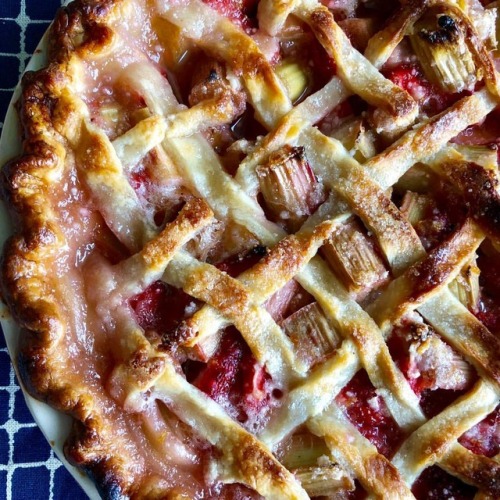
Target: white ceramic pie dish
[54, 425]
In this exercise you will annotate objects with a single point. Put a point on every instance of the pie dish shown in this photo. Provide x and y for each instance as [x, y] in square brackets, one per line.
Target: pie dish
[258, 247]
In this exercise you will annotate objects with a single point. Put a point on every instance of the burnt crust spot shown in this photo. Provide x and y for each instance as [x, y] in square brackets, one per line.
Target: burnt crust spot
[76, 28]
[447, 31]
[479, 190]
[478, 470]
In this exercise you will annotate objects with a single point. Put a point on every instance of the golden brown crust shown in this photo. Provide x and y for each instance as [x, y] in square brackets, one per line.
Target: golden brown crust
[478, 470]
[427, 276]
[52, 119]
[27, 283]
[478, 187]
[397, 103]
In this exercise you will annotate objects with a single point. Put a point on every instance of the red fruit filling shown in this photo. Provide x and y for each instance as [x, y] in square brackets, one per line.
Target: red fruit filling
[489, 314]
[442, 215]
[241, 12]
[489, 305]
[324, 67]
[438, 375]
[302, 46]
[484, 133]
[435, 401]
[352, 106]
[412, 79]
[139, 180]
[237, 264]
[435, 483]
[234, 379]
[160, 307]
[484, 437]
[368, 412]
[285, 301]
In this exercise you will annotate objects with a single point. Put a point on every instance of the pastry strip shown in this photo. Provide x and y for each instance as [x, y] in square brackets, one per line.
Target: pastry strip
[431, 441]
[244, 459]
[375, 472]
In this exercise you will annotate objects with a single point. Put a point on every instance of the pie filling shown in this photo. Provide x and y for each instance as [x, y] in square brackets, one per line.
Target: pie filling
[276, 269]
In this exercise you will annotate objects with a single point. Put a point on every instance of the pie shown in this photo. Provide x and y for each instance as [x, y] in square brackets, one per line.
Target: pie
[258, 246]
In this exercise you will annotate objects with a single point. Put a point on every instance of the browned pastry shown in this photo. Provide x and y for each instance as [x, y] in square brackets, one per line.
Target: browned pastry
[258, 246]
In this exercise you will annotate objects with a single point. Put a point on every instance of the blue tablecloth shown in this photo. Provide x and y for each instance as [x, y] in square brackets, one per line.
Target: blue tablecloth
[29, 470]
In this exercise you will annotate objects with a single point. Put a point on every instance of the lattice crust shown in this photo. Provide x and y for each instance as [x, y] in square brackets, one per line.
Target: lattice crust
[123, 188]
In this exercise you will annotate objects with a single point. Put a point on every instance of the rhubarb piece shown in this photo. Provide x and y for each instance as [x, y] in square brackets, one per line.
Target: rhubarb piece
[352, 255]
[206, 347]
[289, 187]
[437, 365]
[486, 156]
[220, 103]
[309, 459]
[415, 206]
[433, 220]
[324, 480]
[439, 41]
[303, 450]
[466, 286]
[434, 370]
[207, 242]
[312, 334]
[209, 81]
[294, 78]
[357, 138]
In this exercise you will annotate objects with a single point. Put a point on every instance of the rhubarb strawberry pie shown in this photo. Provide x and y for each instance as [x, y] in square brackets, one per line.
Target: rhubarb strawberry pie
[258, 246]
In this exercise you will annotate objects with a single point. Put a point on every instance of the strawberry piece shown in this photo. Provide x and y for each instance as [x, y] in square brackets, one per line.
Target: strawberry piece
[433, 399]
[488, 311]
[234, 379]
[368, 412]
[239, 263]
[484, 133]
[441, 217]
[324, 67]
[490, 273]
[411, 78]
[160, 307]
[436, 483]
[241, 12]
[139, 180]
[433, 402]
[484, 437]
[489, 314]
